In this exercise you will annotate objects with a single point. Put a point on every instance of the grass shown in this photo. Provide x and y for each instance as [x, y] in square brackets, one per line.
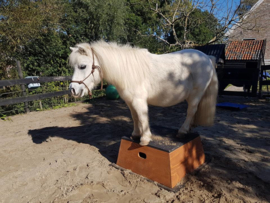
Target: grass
[264, 87]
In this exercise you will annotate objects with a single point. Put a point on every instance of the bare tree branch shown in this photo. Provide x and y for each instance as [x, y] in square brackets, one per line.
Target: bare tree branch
[221, 31]
[176, 10]
[160, 13]
[153, 35]
[177, 14]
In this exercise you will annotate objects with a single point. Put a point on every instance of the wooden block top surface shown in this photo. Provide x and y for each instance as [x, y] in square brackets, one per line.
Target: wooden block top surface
[165, 139]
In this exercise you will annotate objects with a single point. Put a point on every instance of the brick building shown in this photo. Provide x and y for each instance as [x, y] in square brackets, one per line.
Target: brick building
[255, 25]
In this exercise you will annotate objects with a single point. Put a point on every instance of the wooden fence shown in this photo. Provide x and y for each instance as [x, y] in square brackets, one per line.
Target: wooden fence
[23, 81]
[25, 98]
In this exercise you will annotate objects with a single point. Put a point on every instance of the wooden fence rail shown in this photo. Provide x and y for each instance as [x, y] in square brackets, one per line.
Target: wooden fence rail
[34, 80]
[4, 102]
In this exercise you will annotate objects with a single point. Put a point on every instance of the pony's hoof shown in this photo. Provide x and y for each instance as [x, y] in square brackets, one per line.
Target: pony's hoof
[144, 141]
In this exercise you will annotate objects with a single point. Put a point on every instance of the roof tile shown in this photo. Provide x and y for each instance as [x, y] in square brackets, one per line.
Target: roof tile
[244, 50]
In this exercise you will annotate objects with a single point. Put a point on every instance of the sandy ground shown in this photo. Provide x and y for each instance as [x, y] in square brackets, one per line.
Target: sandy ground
[234, 88]
[66, 155]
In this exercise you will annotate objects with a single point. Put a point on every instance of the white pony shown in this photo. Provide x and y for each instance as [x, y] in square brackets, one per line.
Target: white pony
[142, 78]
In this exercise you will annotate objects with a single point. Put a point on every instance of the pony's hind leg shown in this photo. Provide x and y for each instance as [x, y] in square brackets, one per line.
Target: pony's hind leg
[136, 134]
[141, 109]
[193, 102]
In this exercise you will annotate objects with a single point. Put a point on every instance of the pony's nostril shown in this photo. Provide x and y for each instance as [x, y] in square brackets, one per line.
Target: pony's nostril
[73, 91]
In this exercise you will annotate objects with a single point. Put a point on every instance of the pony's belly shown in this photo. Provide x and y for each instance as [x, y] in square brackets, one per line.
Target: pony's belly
[166, 100]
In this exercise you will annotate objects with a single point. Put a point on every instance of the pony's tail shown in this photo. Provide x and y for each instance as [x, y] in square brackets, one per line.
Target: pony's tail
[207, 107]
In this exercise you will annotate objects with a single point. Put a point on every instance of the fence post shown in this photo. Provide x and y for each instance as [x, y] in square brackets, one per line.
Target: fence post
[40, 104]
[22, 86]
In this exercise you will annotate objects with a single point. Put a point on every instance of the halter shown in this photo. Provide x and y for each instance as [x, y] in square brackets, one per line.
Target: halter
[93, 69]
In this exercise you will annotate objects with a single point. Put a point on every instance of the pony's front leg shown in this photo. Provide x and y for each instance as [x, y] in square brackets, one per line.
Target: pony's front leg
[141, 108]
[136, 131]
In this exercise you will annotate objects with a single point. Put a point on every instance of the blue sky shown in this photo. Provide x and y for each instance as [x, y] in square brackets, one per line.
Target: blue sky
[223, 7]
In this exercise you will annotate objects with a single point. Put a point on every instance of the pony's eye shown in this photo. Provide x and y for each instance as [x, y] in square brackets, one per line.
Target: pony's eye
[82, 67]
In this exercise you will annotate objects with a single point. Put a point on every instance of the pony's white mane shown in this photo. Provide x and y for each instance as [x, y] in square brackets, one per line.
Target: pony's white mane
[122, 65]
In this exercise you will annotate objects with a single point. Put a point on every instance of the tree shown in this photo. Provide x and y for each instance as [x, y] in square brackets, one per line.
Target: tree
[141, 25]
[23, 20]
[178, 13]
[90, 20]
[39, 33]
[46, 55]
[201, 28]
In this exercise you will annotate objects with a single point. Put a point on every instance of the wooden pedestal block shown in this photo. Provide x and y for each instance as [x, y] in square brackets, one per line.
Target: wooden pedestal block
[166, 159]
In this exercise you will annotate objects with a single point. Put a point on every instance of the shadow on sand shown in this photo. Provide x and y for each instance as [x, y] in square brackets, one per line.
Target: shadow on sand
[107, 121]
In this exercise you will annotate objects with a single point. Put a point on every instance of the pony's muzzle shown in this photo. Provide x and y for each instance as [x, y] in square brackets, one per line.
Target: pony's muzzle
[74, 90]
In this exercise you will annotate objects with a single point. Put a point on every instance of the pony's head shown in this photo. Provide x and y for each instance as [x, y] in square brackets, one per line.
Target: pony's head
[85, 77]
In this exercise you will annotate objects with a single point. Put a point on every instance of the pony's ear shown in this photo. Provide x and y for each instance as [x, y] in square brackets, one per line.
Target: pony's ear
[73, 48]
[82, 50]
